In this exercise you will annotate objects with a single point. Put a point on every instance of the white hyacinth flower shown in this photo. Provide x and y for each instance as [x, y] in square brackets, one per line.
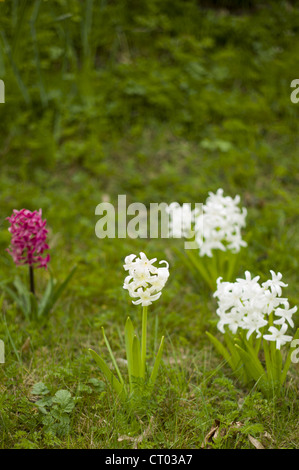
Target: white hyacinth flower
[181, 217]
[248, 305]
[278, 335]
[275, 284]
[145, 281]
[216, 227]
[285, 314]
[221, 224]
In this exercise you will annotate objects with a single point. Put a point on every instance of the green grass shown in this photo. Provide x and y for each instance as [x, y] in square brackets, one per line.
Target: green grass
[161, 103]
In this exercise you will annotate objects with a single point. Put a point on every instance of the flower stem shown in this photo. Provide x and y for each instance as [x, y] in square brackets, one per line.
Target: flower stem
[143, 341]
[31, 278]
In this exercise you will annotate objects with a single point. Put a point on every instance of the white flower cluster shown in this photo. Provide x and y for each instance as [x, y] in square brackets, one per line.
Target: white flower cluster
[217, 226]
[145, 281]
[246, 304]
[181, 219]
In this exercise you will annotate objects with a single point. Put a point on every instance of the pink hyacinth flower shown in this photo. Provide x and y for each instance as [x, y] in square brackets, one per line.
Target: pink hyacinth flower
[28, 241]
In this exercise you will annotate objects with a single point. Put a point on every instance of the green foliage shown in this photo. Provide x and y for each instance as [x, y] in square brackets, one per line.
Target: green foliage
[27, 301]
[244, 358]
[140, 382]
[55, 409]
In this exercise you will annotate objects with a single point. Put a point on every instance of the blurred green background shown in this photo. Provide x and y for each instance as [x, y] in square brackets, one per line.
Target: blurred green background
[159, 100]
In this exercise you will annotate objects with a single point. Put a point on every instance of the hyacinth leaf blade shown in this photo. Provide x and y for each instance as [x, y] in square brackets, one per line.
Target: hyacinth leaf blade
[221, 349]
[129, 335]
[237, 365]
[254, 368]
[248, 346]
[272, 345]
[55, 293]
[253, 352]
[268, 361]
[274, 358]
[199, 266]
[154, 373]
[11, 340]
[273, 373]
[44, 304]
[136, 372]
[278, 365]
[18, 300]
[288, 360]
[143, 341]
[112, 357]
[258, 342]
[187, 261]
[231, 261]
[116, 385]
[23, 295]
[27, 301]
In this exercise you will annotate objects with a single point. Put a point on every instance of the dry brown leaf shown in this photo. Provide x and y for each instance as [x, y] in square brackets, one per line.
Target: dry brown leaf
[213, 433]
[137, 440]
[255, 442]
[268, 436]
[26, 346]
[215, 430]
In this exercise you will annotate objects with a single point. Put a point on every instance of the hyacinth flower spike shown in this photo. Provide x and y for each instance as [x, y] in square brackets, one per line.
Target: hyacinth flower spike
[254, 316]
[217, 232]
[29, 241]
[144, 283]
[28, 246]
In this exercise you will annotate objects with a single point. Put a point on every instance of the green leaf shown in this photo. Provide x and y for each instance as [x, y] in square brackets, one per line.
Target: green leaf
[238, 366]
[43, 404]
[48, 420]
[1, 301]
[23, 296]
[112, 357]
[129, 334]
[64, 399]
[157, 363]
[116, 385]
[43, 305]
[268, 361]
[55, 294]
[201, 268]
[221, 350]
[136, 369]
[12, 294]
[252, 365]
[40, 389]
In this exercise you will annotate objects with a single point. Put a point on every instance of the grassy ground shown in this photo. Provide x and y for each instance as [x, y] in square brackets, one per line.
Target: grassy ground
[162, 102]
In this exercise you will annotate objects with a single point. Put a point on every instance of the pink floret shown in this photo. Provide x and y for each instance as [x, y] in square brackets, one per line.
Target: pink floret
[28, 241]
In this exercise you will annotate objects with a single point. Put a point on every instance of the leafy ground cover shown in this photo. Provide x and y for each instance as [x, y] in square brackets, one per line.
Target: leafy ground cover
[161, 101]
